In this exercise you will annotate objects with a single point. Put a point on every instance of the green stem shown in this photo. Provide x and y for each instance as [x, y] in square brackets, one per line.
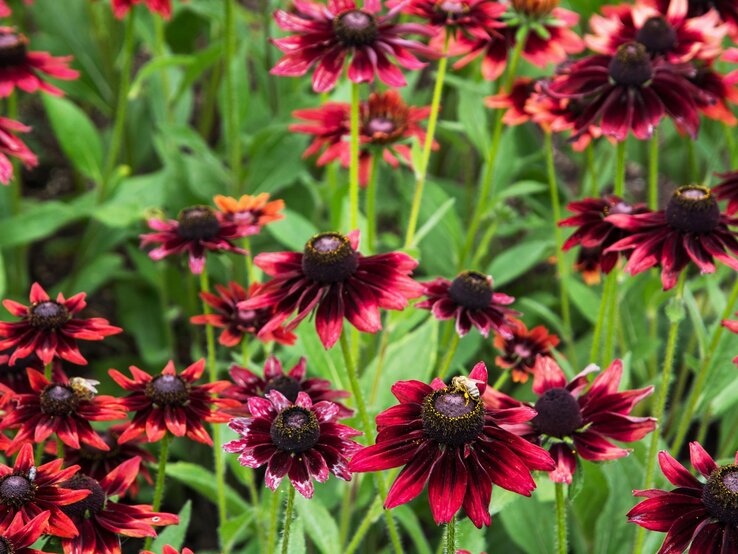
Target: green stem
[273, 520]
[451, 536]
[383, 344]
[691, 161]
[730, 141]
[354, 167]
[161, 51]
[561, 543]
[288, 520]
[653, 172]
[501, 380]
[450, 351]
[361, 531]
[428, 145]
[160, 478]
[592, 170]
[613, 310]
[371, 204]
[232, 137]
[607, 291]
[620, 170]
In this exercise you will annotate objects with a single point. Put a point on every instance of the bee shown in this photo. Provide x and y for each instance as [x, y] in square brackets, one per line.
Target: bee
[84, 388]
[467, 386]
[32, 473]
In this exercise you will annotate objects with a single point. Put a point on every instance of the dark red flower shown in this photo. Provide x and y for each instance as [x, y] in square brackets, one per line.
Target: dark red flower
[17, 536]
[588, 264]
[250, 212]
[520, 352]
[62, 407]
[691, 228]
[247, 384]
[726, 9]
[196, 230]
[727, 190]
[334, 279]
[514, 101]
[169, 550]
[559, 115]
[327, 34]
[703, 514]
[300, 440]
[719, 90]
[572, 422]
[102, 521]
[237, 322]
[29, 490]
[10, 145]
[445, 436]
[15, 376]
[468, 16]
[594, 231]
[23, 69]
[171, 403]
[48, 327]
[162, 7]
[471, 300]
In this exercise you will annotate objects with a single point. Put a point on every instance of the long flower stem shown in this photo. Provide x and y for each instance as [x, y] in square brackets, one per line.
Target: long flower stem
[501, 380]
[620, 169]
[607, 290]
[450, 351]
[288, 520]
[561, 543]
[450, 547]
[161, 51]
[233, 140]
[274, 520]
[354, 167]
[653, 172]
[371, 204]
[428, 145]
[160, 478]
[592, 170]
[361, 532]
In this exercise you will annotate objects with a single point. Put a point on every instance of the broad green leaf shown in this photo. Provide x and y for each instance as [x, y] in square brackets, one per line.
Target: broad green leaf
[236, 529]
[584, 298]
[174, 535]
[203, 481]
[297, 538]
[409, 521]
[319, 524]
[36, 222]
[517, 517]
[293, 231]
[515, 261]
[152, 68]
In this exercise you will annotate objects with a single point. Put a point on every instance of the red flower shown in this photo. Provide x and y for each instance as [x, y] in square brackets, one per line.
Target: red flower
[250, 212]
[719, 90]
[196, 230]
[29, 490]
[514, 101]
[48, 327]
[703, 514]
[726, 9]
[667, 32]
[237, 322]
[691, 228]
[386, 124]
[21, 68]
[101, 521]
[558, 115]
[471, 300]
[445, 436]
[248, 384]
[300, 440]
[571, 422]
[10, 145]
[728, 190]
[17, 536]
[469, 16]
[169, 550]
[162, 7]
[520, 352]
[171, 403]
[15, 376]
[334, 279]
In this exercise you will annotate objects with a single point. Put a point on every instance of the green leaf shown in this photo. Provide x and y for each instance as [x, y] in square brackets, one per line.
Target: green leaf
[203, 481]
[235, 529]
[521, 188]
[319, 524]
[36, 222]
[174, 535]
[410, 523]
[297, 538]
[517, 517]
[515, 261]
[584, 298]
[152, 67]
[293, 231]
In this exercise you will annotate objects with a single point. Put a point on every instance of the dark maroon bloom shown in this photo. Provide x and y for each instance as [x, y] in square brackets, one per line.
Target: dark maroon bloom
[334, 279]
[469, 16]
[691, 228]
[520, 352]
[300, 440]
[719, 90]
[514, 101]
[471, 300]
[49, 328]
[247, 384]
[17, 536]
[727, 189]
[327, 34]
[726, 9]
[15, 376]
[572, 422]
[10, 145]
[196, 230]
[594, 231]
[703, 514]
[446, 437]
[101, 521]
[237, 322]
[162, 7]
[558, 115]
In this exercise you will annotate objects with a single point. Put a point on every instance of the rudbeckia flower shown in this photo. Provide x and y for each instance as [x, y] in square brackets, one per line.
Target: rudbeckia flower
[162, 7]
[12, 146]
[17, 536]
[250, 212]
[519, 353]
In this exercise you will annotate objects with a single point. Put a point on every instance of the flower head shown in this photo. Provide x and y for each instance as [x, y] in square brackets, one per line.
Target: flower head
[327, 34]
[171, 402]
[514, 101]
[575, 419]
[49, 327]
[719, 90]
[18, 536]
[467, 16]
[727, 10]
[300, 440]
[10, 145]
[446, 437]
[704, 514]
[471, 300]
[558, 115]
[250, 212]
[520, 352]
[162, 7]
[727, 190]
[196, 230]
[334, 279]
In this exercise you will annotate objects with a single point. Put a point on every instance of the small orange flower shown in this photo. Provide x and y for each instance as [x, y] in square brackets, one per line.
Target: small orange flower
[250, 212]
[535, 7]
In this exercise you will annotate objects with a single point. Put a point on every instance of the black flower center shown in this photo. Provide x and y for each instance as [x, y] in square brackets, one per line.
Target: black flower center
[91, 504]
[720, 495]
[48, 315]
[657, 35]
[12, 49]
[59, 400]
[471, 290]
[631, 65]
[451, 417]
[295, 430]
[558, 413]
[16, 490]
[168, 390]
[198, 223]
[6, 547]
[700, 7]
[329, 258]
[93, 454]
[693, 209]
[285, 384]
[253, 318]
[355, 28]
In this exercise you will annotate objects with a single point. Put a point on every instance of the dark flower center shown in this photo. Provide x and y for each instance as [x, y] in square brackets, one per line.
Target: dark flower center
[355, 28]
[6, 547]
[471, 290]
[379, 126]
[631, 65]
[329, 258]
[453, 7]
[48, 315]
[720, 495]
[452, 417]
[198, 223]
[12, 49]
[59, 400]
[285, 384]
[88, 506]
[700, 7]
[693, 209]
[558, 413]
[535, 8]
[295, 430]
[618, 207]
[253, 318]
[93, 454]
[657, 35]
[168, 390]
[16, 490]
